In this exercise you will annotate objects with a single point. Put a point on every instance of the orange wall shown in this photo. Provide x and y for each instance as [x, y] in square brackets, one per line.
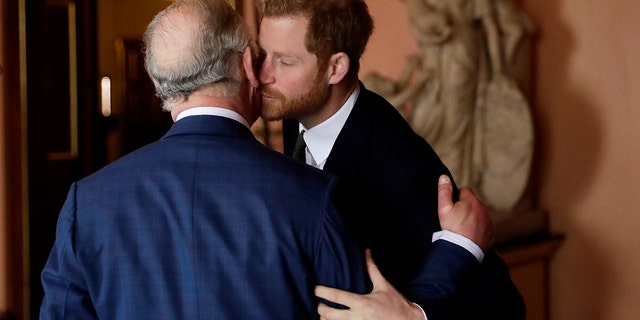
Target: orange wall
[391, 40]
[587, 115]
[588, 112]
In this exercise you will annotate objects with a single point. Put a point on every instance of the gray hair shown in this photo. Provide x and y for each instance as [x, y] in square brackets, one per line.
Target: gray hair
[193, 44]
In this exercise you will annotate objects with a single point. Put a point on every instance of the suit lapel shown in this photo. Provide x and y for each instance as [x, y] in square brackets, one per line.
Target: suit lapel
[352, 143]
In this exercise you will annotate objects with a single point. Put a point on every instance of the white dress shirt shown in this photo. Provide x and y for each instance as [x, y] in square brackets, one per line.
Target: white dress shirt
[213, 111]
[320, 139]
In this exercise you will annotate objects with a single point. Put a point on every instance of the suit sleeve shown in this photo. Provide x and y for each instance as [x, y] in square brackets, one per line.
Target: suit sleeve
[485, 291]
[65, 292]
[449, 283]
[445, 267]
[339, 261]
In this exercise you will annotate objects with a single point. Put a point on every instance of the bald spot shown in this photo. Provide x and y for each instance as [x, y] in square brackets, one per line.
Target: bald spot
[175, 36]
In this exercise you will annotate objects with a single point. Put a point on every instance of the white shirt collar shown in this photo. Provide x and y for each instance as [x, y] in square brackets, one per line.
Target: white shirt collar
[213, 111]
[320, 139]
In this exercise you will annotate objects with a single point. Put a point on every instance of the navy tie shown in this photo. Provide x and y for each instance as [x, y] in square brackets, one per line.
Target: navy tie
[299, 150]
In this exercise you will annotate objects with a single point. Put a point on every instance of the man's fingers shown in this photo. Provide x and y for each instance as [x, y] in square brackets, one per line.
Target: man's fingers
[342, 297]
[445, 195]
[328, 313]
[325, 311]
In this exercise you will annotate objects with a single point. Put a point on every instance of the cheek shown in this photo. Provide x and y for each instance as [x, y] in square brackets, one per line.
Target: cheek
[296, 83]
[300, 87]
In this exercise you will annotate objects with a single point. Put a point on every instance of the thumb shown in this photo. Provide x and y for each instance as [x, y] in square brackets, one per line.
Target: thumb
[377, 279]
[445, 195]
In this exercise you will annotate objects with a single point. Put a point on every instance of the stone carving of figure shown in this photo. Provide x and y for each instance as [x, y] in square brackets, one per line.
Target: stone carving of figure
[515, 29]
[461, 93]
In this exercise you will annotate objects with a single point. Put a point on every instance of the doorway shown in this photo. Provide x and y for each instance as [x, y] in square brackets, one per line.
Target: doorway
[68, 134]
[64, 139]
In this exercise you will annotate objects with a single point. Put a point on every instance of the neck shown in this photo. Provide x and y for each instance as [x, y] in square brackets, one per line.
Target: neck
[338, 96]
[209, 97]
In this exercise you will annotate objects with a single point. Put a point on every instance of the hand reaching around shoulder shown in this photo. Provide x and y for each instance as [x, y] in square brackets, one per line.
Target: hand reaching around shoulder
[384, 302]
[468, 217]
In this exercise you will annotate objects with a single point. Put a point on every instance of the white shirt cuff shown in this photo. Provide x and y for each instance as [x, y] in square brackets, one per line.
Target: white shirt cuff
[460, 240]
[423, 313]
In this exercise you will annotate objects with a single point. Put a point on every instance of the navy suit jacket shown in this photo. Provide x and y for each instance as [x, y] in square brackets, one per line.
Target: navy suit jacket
[392, 176]
[205, 223]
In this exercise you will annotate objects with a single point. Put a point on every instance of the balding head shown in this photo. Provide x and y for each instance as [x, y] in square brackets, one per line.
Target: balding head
[175, 34]
[194, 44]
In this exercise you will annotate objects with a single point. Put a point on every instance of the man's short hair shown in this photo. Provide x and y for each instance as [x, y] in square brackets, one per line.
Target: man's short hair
[193, 44]
[334, 26]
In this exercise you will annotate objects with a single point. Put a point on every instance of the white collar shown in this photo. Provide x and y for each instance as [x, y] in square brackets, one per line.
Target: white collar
[321, 138]
[213, 111]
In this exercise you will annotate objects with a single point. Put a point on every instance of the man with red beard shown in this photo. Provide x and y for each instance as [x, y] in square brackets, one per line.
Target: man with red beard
[309, 77]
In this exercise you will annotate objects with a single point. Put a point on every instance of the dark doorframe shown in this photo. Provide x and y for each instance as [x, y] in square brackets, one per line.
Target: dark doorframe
[15, 157]
[65, 141]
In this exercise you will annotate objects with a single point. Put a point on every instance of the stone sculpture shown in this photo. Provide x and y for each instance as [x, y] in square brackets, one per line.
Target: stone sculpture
[466, 93]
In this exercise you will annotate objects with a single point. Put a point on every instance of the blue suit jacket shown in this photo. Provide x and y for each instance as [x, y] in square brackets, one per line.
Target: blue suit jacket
[392, 175]
[206, 223]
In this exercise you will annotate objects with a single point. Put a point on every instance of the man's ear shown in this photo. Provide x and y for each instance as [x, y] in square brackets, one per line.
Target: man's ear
[247, 61]
[338, 67]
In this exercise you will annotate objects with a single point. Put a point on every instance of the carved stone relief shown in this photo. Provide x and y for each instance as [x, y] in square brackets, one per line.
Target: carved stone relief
[466, 92]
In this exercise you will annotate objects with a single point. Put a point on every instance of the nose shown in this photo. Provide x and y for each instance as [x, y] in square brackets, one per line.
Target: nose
[266, 72]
